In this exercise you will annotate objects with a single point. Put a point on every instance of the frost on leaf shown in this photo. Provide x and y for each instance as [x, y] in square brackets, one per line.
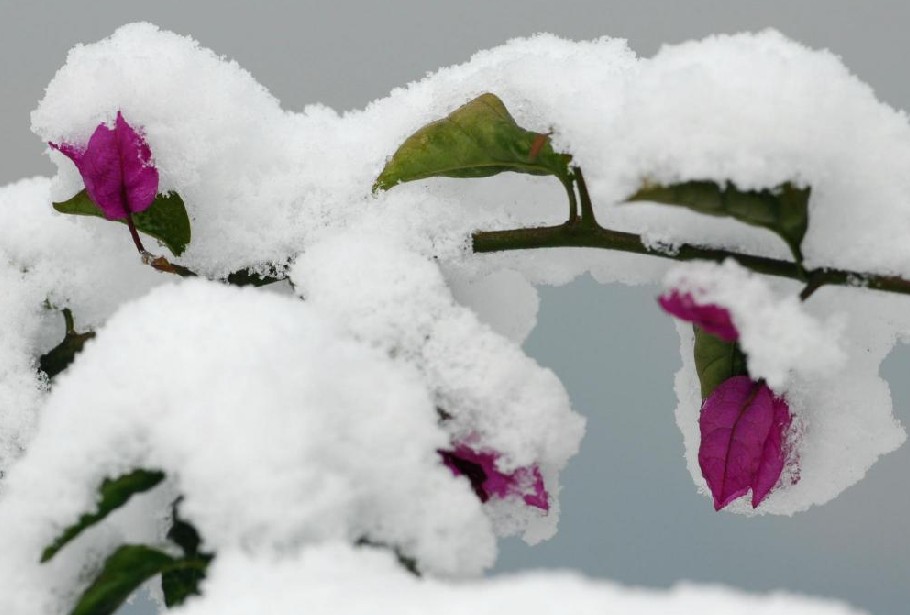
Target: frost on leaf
[743, 433]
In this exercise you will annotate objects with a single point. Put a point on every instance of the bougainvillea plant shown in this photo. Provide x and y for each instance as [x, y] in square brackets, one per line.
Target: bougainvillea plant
[332, 380]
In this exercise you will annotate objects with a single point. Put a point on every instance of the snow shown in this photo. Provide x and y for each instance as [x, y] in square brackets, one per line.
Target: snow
[760, 110]
[338, 579]
[307, 414]
[269, 447]
[777, 334]
[497, 397]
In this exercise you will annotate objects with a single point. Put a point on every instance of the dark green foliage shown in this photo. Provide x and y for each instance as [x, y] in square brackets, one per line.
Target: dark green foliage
[166, 219]
[124, 571]
[112, 494]
[63, 354]
[784, 210]
[181, 582]
[245, 277]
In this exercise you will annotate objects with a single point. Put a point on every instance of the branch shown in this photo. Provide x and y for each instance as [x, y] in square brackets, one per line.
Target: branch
[576, 235]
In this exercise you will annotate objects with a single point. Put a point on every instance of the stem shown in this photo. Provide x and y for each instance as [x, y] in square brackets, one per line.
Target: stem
[68, 321]
[162, 264]
[573, 204]
[582, 236]
[814, 281]
[135, 234]
[587, 208]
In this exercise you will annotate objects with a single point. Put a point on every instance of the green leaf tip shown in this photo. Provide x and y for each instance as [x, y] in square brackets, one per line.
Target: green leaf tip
[112, 494]
[479, 139]
[783, 209]
[166, 219]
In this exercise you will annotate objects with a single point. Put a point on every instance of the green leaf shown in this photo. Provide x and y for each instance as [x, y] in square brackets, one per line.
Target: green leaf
[112, 494]
[479, 139]
[716, 361]
[166, 219]
[63, 354]
[181, 581]
[124, 571]
[784, 209]
[245, 277]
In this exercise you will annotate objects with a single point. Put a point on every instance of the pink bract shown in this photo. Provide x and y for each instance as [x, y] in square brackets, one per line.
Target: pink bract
[487, 481]
[710, 317]
[116, 168]
[743, 435]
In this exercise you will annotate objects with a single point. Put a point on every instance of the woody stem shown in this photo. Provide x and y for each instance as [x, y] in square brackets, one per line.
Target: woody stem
[135, 234]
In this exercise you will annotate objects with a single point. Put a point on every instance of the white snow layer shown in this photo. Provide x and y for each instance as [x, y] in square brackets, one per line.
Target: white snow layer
[289, 424]
[338, 579]
[778, 335]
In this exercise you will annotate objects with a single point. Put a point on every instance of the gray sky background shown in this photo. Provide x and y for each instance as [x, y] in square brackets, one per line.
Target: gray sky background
[630, 510]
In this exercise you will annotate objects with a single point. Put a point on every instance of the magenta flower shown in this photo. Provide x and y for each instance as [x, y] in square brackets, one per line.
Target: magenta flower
[116, 168]
[487, 481]
[712, 318]
[743, 436]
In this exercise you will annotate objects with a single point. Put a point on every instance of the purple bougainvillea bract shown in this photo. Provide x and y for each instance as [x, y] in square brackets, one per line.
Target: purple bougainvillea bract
[487, 481]
[116, 168]
[743, 433]
[712, 318]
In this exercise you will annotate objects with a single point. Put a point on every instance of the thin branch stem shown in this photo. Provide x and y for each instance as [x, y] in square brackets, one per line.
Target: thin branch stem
[587, 207]
[576, 235]
[135, 235]
[573, 204]
[68, 321]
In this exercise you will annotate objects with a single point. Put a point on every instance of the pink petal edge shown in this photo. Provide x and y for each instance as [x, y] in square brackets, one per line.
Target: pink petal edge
[711, 317]
[488, 481]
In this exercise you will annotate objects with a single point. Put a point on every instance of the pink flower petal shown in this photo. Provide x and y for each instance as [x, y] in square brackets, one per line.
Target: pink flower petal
[140, 178]
[487, 481]
[742, 433]
[774, 455]
[70, 151]
[100, 170]
[116, 168]
[539, 498]
[712, 318]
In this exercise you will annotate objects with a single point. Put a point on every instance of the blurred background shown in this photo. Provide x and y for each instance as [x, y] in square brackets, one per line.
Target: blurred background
[630, 510]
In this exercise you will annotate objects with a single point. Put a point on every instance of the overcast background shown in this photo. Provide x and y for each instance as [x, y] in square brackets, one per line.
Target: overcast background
[630, 511]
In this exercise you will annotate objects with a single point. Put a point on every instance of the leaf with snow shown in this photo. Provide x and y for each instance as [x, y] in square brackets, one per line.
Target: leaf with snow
[479, 139]
[63, 354]
[180, 582]
[784, 209]
[742, 428]
[113, 493]
[124, 571]
[166, 219]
